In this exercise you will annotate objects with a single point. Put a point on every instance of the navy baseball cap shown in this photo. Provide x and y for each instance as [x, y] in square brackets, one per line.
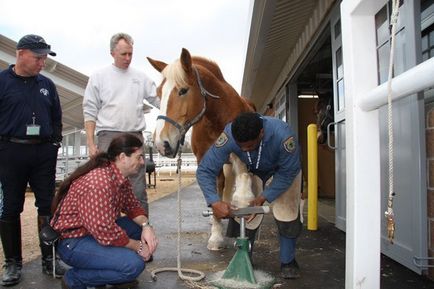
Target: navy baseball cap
[36, 44]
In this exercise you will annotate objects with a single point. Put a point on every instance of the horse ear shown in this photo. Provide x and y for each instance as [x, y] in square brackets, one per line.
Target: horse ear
[158, 65]
[186, 61]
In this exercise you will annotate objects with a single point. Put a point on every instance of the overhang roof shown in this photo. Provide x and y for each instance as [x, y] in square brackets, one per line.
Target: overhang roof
[280, 34]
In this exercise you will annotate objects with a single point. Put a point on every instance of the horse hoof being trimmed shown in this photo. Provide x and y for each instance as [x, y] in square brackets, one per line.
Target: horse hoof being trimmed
[215, 245]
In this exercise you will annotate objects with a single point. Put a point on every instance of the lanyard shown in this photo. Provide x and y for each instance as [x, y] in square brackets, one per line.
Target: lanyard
[258, 159]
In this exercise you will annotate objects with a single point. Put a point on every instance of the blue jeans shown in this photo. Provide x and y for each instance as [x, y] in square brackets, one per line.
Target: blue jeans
[94, 265]
[287, 249]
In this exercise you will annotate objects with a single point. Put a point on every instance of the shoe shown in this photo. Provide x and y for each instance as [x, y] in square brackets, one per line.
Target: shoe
[47, 267]
[290, 270]
[11, 272]
[127, 285]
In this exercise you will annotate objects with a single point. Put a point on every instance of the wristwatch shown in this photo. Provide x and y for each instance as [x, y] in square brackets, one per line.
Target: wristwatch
[146, 224]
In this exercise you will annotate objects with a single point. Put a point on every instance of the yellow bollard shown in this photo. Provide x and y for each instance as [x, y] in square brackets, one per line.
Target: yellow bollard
[312, 178]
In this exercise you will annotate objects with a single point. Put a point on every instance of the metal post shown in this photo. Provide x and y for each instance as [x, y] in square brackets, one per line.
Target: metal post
[312, 178]
[242, 227]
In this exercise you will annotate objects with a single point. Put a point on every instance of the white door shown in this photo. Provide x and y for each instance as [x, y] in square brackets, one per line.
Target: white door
[338, 143]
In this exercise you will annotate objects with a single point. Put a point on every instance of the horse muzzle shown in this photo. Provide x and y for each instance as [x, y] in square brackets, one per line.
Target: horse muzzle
[165, 149]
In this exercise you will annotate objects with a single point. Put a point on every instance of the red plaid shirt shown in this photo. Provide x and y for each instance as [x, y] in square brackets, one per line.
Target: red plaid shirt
[92, 205]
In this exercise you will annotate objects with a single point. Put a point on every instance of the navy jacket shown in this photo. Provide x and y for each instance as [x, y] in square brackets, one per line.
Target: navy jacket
[280, 158]
[21, 98]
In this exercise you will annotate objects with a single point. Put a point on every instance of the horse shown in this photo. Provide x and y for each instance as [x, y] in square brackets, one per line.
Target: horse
[194, 94]
[324, 116]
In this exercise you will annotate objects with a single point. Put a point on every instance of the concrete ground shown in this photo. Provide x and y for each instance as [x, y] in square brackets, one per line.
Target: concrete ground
[320, 254]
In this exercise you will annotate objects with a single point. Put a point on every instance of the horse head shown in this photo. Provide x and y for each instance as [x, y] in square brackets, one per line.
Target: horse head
[324, 116]
[183, 99]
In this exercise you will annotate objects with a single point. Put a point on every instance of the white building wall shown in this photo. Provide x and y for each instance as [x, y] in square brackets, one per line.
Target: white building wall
[363, 145]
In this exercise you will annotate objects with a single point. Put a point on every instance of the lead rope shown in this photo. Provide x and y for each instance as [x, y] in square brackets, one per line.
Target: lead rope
[178, 268]
[389, 214]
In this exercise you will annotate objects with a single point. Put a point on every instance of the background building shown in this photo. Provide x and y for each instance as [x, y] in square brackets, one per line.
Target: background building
[342, 48]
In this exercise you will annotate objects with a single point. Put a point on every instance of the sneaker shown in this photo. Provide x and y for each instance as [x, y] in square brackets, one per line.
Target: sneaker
[290, 270]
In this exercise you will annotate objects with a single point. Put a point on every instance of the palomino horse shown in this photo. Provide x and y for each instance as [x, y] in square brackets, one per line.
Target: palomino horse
[195, 94]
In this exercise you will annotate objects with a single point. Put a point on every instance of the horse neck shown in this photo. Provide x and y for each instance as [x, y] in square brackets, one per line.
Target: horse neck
[218, 114]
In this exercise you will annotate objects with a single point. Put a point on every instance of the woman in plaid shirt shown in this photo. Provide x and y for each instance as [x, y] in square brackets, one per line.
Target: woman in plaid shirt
[105, 234]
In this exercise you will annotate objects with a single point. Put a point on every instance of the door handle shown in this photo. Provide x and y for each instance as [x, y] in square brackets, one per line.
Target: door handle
[328, 133]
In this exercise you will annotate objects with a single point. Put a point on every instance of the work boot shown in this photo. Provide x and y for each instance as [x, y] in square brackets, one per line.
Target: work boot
[47, 253]
[290, 270]
[10, 232]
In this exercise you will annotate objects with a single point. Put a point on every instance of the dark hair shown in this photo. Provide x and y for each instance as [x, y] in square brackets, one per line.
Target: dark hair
[124, 143]
[246, 126]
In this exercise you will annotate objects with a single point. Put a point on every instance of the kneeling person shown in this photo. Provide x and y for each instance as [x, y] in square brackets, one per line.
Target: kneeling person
[269, 149]
[102, 246]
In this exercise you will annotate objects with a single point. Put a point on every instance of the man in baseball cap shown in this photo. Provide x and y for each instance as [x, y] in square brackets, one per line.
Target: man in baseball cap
[31, 120]
[36, 44]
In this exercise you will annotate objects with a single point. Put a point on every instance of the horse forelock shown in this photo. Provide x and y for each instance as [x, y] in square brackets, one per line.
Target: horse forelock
[175, 74]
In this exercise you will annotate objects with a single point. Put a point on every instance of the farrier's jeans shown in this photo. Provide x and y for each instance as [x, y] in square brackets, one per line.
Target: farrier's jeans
[93, 264]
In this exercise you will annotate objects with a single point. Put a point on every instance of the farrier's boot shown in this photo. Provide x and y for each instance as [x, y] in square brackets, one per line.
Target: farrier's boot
[10, 231]
[47, 253]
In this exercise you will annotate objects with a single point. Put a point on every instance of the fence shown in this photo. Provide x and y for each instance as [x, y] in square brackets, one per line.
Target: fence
[67, 164]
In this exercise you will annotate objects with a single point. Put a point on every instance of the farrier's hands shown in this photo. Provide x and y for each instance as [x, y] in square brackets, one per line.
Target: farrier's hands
[258, 201]
[221, 209]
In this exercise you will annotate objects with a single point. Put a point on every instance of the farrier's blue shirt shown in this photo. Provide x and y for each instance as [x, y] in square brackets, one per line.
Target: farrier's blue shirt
[20, 97]
[280, 158]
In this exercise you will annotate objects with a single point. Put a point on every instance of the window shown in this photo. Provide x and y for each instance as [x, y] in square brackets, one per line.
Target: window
[383, 39]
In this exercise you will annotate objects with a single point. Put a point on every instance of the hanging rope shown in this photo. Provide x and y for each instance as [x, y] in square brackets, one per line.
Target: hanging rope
[389, 214]
[178, 268]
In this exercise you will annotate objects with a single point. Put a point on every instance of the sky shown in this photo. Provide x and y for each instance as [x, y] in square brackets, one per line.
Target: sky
[79, 31]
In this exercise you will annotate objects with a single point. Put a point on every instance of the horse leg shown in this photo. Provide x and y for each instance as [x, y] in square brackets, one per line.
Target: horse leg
[226, 183]
[216, 239]
[224, 187]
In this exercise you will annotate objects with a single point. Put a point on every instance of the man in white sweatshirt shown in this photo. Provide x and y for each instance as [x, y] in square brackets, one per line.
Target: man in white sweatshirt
[113, 104]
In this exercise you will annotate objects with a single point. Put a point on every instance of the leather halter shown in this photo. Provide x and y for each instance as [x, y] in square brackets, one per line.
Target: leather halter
[188, 124]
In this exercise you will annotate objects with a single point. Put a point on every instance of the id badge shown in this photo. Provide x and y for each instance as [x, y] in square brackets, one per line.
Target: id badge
[33, 129]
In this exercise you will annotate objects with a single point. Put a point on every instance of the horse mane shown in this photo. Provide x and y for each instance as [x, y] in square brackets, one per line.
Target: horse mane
[174, 71]
[210, 65]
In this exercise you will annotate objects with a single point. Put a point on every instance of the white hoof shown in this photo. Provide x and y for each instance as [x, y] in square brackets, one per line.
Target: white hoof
[215, 244]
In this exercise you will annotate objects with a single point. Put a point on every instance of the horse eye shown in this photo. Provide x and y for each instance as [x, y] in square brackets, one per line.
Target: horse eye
[182, 91]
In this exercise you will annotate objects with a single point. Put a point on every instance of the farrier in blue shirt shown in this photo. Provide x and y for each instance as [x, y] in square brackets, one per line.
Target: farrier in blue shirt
[279, 157]
[21, 99]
